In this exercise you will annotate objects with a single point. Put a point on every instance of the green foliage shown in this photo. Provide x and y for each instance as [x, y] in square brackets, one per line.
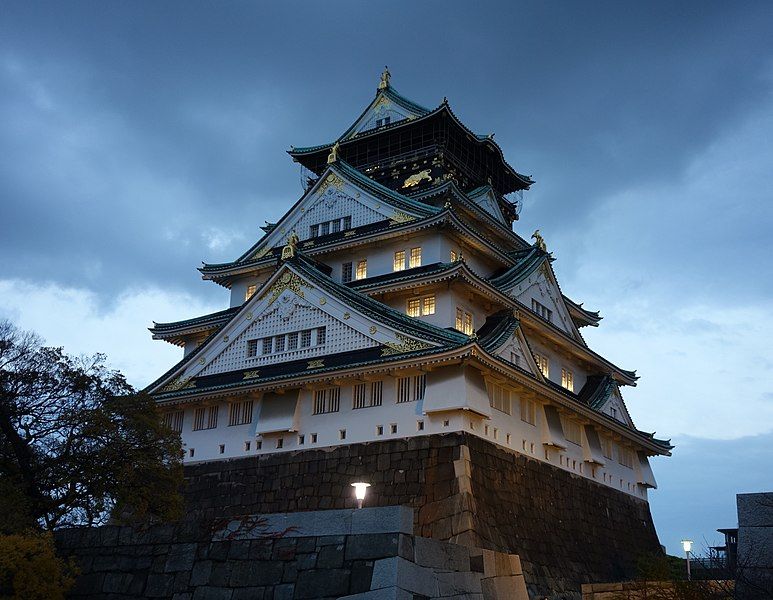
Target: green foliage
[30, 569]
[77, 443]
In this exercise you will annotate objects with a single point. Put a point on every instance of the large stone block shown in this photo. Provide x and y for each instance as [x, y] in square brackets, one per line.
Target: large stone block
[319, 583]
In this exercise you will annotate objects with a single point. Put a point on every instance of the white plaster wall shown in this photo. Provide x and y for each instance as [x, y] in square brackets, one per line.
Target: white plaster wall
[507, 430]
[239, 288]
[559, 361]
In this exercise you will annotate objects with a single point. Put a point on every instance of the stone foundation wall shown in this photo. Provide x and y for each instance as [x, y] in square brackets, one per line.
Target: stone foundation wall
[368, 554]
[566, 529]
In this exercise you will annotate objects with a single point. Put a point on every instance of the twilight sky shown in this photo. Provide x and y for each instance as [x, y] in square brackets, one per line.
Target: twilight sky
[138, 139]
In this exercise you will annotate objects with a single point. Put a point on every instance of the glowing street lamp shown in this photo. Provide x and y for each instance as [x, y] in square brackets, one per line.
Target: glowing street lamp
[687, 546]
[359, 491]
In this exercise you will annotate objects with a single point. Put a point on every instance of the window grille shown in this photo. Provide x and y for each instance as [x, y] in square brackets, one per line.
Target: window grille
[324, 228]
[459, 324]
[267, 345]
[567, 379]
[543, 364]
[428, 305]
[411, 389]
[499, 398]
[305, 338]
[403, 389]
[279, 343]
[468, 328]
[414, 307]
[346, 272]
[362, 269]
[454, 256]
[358, 396]
[251, 289]
[252, 348]
[321, 336]
[542, 310]
[347, 223]
[240, 413]
[205, 418]
[415, 257]
[571, 430]
[376, 393]
[174, 420]
[464, 322]
[362, 399]
[335, 226]
[313, 231]
[399, 261]
[528, 411]
[292, 341]
[327, 400]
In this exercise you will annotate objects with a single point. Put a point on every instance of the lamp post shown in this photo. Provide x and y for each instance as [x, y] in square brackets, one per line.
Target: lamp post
[687, 545]
[359, 491]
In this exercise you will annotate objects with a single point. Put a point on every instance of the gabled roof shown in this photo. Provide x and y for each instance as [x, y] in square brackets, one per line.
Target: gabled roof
[518, 182]
[582, 316]
[431, 337]
[528, 261]
[340, 169]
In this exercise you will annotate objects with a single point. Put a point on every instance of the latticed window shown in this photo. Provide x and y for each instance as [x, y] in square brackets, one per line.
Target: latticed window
[362, 397]
[528, 411]
[292, 341]
[251, 289]
[417, 307]
[542, 310]
[174, 420]
[305, 338]
[362, 269]
[415, 257]
[335, 226]
[279, 343]
[346, 272]
[324, 228]
[454, 256]
[410, 389]
[268, 344]
[499, 397]
[543, 364]
[314, 231]
[376, 393]
[252, 348]
[399, 261]
[567, 379]
[327, 400]
[321, 336]
[414, 307]
[428, 305]
[358, 396]
[625, 457]
[572, 431]
[346, 223]
[205, 418]
[464, 322]
[240, 413]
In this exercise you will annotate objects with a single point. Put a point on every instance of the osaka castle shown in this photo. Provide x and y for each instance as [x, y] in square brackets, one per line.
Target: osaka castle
[396, 304]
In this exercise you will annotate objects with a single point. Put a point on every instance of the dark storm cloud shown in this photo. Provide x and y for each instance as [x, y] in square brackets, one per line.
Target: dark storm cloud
[141, 138]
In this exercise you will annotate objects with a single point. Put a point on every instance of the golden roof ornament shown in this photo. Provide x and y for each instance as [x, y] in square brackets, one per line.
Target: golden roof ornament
[333, 156]
[289, 250]
[385, 76]
[539, 241]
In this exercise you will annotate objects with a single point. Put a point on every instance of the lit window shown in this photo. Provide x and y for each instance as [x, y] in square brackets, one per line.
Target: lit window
[468, 329]
[454, 256]
[415, 257]
[399, 261]
[362, 269]
[541, 310]
[528, 411]
[428, 305]
[251, 289]
[543, 364]
[421, 306]
[567, 379]
[346, 272]
[499, 397]
[414, 307]
[464, 322]
[240, 413]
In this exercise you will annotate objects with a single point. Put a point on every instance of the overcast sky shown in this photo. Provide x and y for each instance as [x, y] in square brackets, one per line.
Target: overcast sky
[138, 139]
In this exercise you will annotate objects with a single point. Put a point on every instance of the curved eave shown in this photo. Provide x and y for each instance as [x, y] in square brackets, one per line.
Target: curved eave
[581, 315]
[562, 396]
[219, 272]
[524, 180]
